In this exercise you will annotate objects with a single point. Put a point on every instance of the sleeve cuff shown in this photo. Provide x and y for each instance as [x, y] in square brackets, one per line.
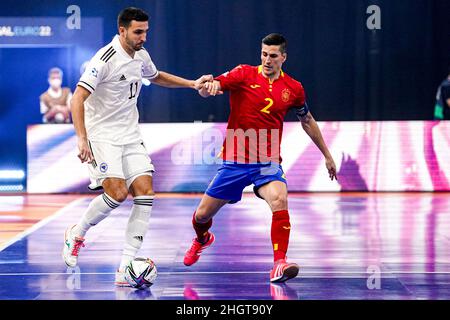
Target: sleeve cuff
[153, 76]
[86, 85]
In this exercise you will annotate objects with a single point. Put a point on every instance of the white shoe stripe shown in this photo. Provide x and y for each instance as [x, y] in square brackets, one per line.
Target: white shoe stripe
[279, 270]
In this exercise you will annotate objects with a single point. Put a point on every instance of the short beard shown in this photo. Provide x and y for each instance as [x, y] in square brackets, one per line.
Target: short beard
[131, 44]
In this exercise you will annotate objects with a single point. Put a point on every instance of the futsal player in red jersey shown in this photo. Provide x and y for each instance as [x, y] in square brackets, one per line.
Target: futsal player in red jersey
[260, 97]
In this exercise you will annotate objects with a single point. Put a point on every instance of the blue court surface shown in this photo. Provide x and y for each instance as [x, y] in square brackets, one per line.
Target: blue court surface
[360, 246]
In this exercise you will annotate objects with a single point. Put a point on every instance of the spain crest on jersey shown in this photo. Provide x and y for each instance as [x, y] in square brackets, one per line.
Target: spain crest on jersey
[285, 95]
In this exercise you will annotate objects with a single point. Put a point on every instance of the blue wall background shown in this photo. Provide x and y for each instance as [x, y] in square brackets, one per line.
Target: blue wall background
[25, 59]
[349, 72]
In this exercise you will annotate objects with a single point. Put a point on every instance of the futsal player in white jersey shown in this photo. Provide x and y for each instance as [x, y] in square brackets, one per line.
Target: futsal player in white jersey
[105, 118]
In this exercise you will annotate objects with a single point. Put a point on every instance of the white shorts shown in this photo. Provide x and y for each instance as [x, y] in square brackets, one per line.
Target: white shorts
[118, 161]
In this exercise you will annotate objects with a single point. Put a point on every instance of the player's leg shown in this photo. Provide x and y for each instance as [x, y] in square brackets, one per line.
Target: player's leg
[203, 215]
[226, 187]
[202, 222]
[271, 186]
[138, 171]
[114, 193]
[275, 194]
[108, 175]
[137, 226]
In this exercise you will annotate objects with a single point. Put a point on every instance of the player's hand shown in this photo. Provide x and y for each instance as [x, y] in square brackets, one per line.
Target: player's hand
[204, 92]
[200, 82]
[213, 88]
[331, 167]
[85, 154]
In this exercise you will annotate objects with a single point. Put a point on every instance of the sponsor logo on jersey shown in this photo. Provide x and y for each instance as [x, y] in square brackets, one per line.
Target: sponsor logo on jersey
[285, 95]
[122, 78]
[254, 86]
[94, 72]
[103, 167]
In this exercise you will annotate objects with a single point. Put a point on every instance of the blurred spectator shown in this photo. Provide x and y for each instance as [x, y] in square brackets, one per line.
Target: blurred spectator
[442, 107]
[55, 102]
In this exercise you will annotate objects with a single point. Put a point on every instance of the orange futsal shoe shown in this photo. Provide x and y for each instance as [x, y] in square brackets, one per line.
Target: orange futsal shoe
[283, 271]
[196, 249]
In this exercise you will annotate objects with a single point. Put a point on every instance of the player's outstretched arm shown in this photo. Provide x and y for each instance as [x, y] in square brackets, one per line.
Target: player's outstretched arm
[77, 108]
[168, 80]
[310, 126]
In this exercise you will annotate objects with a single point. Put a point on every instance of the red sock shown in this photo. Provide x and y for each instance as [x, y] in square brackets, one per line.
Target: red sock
[201, 229]
[281, 229]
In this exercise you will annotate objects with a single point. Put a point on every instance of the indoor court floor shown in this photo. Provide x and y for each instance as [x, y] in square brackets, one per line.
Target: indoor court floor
[356, 246]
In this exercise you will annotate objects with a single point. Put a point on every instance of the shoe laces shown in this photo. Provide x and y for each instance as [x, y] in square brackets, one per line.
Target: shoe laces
[79, 243]
[195, 246]
[279, 265]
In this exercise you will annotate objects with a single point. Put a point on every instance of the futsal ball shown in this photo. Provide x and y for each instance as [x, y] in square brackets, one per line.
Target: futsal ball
[141, 273]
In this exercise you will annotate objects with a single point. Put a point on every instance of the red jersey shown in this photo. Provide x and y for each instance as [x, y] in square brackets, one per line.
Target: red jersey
[258, 108]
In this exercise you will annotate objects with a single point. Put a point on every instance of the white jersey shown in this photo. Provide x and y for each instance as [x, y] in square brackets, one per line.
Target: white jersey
[114, 80]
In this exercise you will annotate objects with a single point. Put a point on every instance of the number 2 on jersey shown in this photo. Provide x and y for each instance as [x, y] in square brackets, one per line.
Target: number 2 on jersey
[132, 95]
[266, 108]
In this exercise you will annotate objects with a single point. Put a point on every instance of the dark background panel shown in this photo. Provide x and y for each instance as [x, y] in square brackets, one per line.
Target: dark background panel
[349, 72]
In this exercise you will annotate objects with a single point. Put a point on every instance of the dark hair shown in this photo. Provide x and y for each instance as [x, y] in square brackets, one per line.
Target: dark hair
[131, 13]
[275, 39]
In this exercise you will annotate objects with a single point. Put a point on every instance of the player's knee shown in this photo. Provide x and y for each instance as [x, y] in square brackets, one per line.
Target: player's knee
[119, 194]
[149, 193]
[279, 203]
[202, 216]
[143, 189]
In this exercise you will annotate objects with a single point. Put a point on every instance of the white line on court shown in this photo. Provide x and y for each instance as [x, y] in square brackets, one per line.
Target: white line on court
[318, 274]
[41, 223]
